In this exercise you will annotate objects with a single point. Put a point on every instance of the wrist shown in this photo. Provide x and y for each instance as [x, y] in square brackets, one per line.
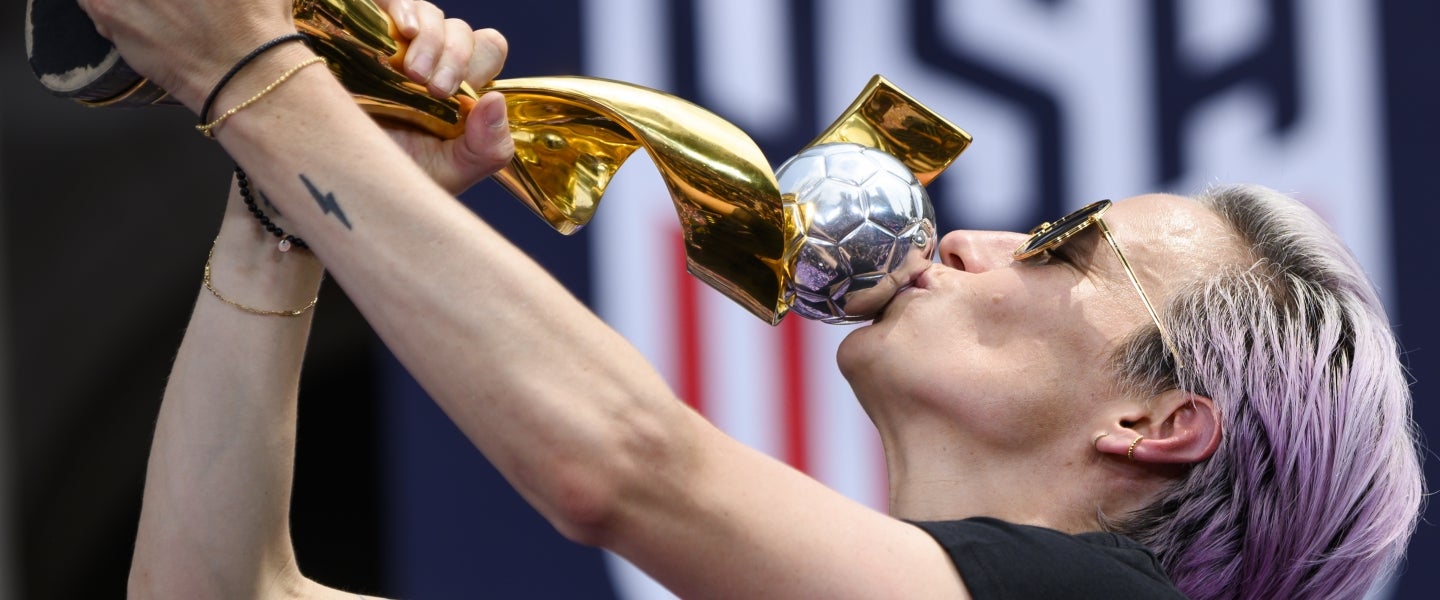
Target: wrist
[251, 77]
[198, 73]
[268, 286]
[249, 269]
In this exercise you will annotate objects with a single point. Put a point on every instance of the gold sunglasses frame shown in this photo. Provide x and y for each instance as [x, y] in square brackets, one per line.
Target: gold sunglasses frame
[1073, 224]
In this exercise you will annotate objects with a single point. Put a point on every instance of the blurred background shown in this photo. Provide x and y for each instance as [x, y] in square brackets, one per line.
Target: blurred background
[107, 215]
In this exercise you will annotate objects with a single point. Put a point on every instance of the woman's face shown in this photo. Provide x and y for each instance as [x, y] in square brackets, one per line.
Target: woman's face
[1014, 351]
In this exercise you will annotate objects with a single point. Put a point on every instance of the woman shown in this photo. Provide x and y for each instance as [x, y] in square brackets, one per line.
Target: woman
[1252, 430]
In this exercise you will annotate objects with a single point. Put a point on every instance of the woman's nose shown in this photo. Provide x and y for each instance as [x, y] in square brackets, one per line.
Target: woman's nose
[979, 251]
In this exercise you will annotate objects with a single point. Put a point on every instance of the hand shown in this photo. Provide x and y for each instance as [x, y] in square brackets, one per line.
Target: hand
[442, 53]
[457, 164]
[185, 45]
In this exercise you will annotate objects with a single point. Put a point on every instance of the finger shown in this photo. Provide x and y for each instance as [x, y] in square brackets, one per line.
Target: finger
[97, 13]
[454, 59]
[487, 145]
[424, 49]
[403, 13]
[488, 59]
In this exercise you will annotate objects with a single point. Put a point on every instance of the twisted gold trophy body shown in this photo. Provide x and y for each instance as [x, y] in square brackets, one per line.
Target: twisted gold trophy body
[573, 133]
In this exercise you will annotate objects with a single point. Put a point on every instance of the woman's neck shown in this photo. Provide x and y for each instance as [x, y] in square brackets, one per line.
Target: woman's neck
[936, 476]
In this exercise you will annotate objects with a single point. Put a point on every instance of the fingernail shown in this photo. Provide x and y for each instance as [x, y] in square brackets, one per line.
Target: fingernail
[420, 65]
[495, 115]
[445, 79]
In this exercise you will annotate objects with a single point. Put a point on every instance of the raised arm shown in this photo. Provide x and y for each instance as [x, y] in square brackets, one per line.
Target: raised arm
[571, 414]
[215, 516]
[214, 523]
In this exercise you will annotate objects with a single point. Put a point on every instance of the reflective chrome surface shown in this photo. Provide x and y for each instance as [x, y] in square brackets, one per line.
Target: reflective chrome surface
[869, 230]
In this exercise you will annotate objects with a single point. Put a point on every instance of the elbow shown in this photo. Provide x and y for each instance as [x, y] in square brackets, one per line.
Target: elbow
[586, 508]
[600, 498]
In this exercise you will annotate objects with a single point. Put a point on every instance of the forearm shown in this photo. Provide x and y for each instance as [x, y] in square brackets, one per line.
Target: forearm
[569, 412]
[215, 517]
[528, 373]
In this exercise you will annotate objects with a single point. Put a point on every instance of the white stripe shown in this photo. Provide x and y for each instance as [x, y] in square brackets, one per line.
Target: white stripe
[844, 446]
[747, 78]
[741, 373]
[624, 40]
[1333, 157]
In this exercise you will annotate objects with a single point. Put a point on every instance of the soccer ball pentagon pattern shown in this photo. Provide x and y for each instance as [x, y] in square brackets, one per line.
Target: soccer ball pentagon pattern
[869, 230]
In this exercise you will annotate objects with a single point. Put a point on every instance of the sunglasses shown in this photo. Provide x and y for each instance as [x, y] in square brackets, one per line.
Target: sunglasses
[1049, 236]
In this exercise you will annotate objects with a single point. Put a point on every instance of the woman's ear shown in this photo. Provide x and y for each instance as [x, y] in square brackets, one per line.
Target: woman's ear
[1177, 428]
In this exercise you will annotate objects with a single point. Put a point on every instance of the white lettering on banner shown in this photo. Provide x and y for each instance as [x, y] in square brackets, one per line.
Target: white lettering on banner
[1332, 157]
[745, 74]
[1069, 101]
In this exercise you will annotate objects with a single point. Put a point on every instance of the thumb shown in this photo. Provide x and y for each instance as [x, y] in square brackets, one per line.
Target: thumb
[487, 144]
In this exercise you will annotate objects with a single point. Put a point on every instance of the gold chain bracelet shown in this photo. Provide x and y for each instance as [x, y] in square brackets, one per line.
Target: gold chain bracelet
[250, 309]
[208, 128]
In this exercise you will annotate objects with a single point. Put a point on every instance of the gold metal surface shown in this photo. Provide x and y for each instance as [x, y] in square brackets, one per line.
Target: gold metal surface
[363, 49]
[141, 93]
[886, 118]
[572, 134]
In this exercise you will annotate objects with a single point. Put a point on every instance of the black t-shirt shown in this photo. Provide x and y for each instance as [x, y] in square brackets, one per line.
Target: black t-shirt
[997, 559]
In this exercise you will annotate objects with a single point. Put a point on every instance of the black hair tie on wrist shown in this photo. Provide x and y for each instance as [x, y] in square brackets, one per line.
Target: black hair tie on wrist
[286, 241]
[244, 60]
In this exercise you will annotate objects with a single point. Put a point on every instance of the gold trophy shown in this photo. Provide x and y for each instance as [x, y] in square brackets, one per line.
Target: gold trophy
[848, 228]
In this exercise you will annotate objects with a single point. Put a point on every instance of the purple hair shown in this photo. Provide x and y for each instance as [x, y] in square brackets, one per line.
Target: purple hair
[1316, 486]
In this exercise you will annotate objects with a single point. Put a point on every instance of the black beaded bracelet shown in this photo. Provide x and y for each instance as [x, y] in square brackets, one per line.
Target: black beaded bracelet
[244, 60]
[286, 240]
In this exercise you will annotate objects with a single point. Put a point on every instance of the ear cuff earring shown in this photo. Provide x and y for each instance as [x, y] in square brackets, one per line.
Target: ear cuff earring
[1130, 454]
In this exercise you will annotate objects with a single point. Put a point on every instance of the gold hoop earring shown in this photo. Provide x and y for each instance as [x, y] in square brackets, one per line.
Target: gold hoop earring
[1130, 454]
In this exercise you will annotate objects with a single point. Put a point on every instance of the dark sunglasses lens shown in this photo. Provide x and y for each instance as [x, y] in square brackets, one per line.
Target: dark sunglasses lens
[1063, 228]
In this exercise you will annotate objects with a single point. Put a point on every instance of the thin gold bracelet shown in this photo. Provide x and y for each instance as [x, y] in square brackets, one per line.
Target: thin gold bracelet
[208, 128]
[250, 309]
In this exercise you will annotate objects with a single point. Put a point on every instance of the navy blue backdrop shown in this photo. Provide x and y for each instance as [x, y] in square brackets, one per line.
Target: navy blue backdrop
[1412, 92]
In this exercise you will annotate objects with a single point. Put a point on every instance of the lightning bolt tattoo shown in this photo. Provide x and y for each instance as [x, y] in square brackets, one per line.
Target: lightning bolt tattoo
[326, 201]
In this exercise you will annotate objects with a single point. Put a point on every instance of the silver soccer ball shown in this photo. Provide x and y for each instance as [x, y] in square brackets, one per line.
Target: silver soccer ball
[868, 226]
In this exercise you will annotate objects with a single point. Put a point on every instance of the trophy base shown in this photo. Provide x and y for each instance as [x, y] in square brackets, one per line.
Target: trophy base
[355, 37]
[72, 60]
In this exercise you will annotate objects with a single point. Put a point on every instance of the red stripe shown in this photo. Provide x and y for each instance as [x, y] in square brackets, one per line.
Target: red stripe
[795, 447]
[689, 342]
[690, 360]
